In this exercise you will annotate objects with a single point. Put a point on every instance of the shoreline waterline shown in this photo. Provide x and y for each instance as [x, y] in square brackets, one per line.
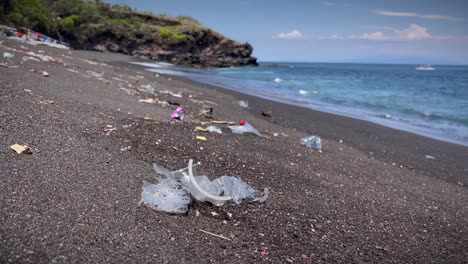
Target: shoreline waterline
[441, 130]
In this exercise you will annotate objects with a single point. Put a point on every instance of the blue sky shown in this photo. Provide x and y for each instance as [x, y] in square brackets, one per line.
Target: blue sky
[375, 31]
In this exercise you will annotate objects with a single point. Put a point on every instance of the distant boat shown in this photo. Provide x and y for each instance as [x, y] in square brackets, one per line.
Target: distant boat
[425, 68]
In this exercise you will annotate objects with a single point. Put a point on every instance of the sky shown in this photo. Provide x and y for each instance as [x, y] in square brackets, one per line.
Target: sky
[361, 31]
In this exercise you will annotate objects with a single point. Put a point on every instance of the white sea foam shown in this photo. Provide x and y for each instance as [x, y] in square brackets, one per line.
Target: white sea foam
[277, 80]
[303, 92]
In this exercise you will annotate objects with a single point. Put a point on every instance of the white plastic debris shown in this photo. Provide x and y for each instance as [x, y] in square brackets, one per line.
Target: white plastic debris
[246, 128]
[214, 129]
[312, 142]
[8, 56]
[175, 188]
[147, 100]
[29, 58]
[430, 157]
[94, 74]
[244, 104]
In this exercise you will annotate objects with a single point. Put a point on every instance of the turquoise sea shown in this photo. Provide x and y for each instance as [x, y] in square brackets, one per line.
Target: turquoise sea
[430, 103]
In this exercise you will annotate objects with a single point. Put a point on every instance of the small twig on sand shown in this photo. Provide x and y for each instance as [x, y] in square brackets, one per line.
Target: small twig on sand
[215, 235]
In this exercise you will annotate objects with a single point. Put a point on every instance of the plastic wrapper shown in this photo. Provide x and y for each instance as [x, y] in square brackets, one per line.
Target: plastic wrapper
[312, 142]
[214, 129]
[175, 188]
[246, 128]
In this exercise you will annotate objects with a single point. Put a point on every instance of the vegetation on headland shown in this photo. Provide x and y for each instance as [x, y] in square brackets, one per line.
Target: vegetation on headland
[81, 20]
[94, 24]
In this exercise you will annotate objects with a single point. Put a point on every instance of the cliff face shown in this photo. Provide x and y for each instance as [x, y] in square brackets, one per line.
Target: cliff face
[200, 48]
[181, 41]
[87, 24]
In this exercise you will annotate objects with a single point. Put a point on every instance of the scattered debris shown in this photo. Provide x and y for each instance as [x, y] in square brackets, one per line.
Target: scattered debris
[207, 111]
[45, 74]
[199, 128]
[245, 128]
[210, 102]
[147, 118]
[312, 142]
[29, 58]
[172, 193]
[215, 235]
[267, 113]
[147, 100]
[179, 95]
[8, 56]
[214, 129]
[244, 104]
[430, 157]
[21, 149]
[95, 74]
[47, 101]
[178, 113]
[196, 101]
[201, 138]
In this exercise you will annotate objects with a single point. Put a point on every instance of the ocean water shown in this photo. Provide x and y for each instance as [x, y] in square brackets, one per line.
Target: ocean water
[430, 103]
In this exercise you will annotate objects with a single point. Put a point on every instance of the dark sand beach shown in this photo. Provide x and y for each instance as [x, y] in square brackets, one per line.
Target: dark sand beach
[374, 197]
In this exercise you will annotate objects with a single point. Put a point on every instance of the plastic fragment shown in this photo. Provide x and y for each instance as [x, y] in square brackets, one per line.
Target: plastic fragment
[199, 128]
[94, 74]
[21, 149]
[312, 142]
[201, 138]
[45, 74]
[30, 58]
[246, 128]
[430, 157]
[173, 192]
[207, 111]
[214, 129]
[147, 100]
[8, 56]
[178, 113]
[244, 104]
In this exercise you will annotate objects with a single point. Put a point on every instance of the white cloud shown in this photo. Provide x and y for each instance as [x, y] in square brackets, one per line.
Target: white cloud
[295, 34]
[413, 32]
[409, 14]
[328, 3]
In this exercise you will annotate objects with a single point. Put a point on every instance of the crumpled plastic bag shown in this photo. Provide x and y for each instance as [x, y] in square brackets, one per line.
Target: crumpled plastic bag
[175, 188]
[312, 142]
[246, 128]
[214, 129]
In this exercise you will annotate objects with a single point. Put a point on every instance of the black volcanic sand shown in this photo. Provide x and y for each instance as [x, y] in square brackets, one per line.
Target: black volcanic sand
[374, 197]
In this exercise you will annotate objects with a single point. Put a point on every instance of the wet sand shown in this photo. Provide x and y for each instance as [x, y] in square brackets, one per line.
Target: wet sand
[374, 197]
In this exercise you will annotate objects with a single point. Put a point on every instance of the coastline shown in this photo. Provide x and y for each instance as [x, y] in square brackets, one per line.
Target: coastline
[75, 198]
[388, 144]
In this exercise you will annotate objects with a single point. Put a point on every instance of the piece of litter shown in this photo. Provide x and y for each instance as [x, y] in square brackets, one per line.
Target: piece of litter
[312, 142]
[147, 118]
[8, 56]
[242, 122]
[214, 129]
[175, 188]
[215, 235]
[244, 104]
[147, 100]
[201, 138]
[29, 58]
[207, 111]
[246, 128]
[21, 149]
[210, 102]
[45, 74]
[94, 74]
[47, 101]
[430, 157]
[197, 213]
[199, 128]
[178, 113]
[214, 214]
[267, 113]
